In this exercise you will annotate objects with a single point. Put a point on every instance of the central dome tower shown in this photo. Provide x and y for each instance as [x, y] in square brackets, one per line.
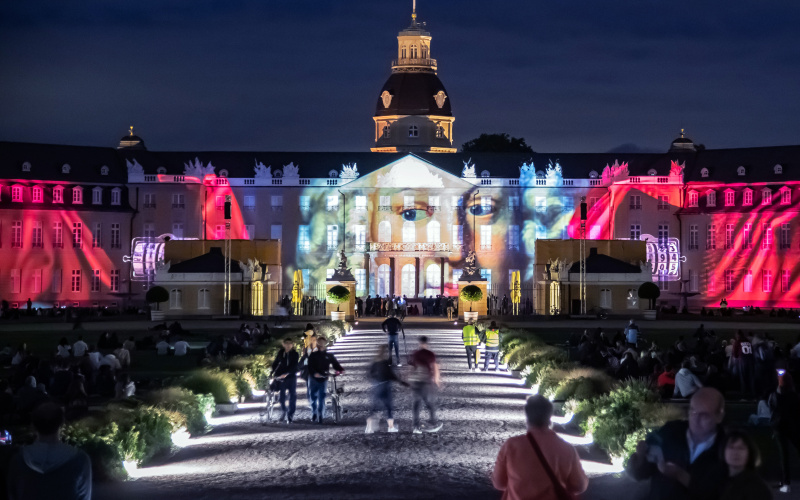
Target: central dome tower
[413, 112]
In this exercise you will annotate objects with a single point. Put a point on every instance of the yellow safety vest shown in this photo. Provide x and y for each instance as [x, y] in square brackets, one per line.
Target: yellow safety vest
[492, 339]
[469, 336]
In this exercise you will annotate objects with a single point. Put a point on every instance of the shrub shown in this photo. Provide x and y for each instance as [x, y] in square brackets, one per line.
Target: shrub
[144, 431]
[98, 440]
[582, 383]
[338, 295]
[255, 367]
[156, 295]
[471, 293]
[244, 384]
[218, 383]
[333, 330]
[193, 407]
[649, 290]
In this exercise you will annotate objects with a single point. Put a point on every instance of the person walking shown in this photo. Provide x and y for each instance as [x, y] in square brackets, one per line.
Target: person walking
[382, 376]
[450, 309]
[538, 465]
[392, 326]
[284, 370]
[632, 334]
[492, 351]
[424, 380]
[471, 340]
[309, 346]
[785, 406]
[319, 365]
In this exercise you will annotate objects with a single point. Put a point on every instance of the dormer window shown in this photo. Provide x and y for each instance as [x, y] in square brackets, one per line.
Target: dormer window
[97, 196]
[65, 168]
[413, 130]
[729, 198]
[593, 174]
[693, 199]
[58, 194]
[711, 198]
[223, 173]
[778, 169]
[747, 197]
[333, 174]
[652, 171]
[485, 173]
[16, 194]
[77, 195]
[786, 196]
[704, 172]
[104, 170]
[766, 196]
[37, 194]
[740, 171]
[440, 132]
[116, 196]
[386, 131]
[26, 166]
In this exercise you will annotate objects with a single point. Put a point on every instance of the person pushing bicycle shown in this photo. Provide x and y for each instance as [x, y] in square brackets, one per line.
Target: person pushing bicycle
[319, 365]
[284, 371]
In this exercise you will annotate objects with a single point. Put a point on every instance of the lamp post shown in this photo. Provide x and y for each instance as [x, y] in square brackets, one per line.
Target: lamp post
[474, 227]
[344, 219]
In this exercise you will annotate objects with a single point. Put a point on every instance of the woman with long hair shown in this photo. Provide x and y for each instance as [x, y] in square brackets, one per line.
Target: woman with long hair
[741, 455]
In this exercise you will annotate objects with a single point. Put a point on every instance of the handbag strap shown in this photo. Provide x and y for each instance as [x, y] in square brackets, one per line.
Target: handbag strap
[559, 489]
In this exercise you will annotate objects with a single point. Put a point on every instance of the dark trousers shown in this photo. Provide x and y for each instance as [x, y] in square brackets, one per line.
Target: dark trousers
[319, 390]
[382, 398]
[393, 341]
[491, 353]
[288, 385]
[471, 351]
[423, 393]
[785, 440]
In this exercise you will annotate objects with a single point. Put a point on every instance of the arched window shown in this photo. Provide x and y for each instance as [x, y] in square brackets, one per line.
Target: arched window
[408, 281]
[747, 198]
[409, 232]
[766, 196]
[77, 195]
[116, 195]
[433, 279]
[693, 197]
[740, 171]
[434, 232]
[97, 196]
[104, 170]
[161, 170]
[384, 278]
[204, 298]
[223, 173]
[385, 232]
[65, 168]
[58, 194]
[38, 194]
[16, 194]
[778, 169]
[703, 172]
[175, 299]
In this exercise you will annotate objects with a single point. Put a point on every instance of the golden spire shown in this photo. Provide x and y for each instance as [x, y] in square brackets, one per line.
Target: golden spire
[131, 127]
[414, 12]
[682, 134]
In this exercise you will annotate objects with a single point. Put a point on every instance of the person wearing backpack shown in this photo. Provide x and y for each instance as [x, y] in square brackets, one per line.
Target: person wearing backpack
[284, 369]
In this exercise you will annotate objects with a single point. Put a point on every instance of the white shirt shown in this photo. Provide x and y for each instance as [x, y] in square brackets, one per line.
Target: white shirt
[111, 361]
[79, 348]
[181, 348]
[162, 348]
[695, 450]
[63, 351]
[94, 358]
[686, 383]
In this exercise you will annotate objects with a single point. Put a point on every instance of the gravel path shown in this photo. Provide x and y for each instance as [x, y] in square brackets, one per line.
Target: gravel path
[242, 459]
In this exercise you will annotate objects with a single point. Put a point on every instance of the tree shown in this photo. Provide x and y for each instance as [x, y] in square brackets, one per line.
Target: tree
[471, 293]
[497, 143]
[649, 290]
[338, 295]
[156, 295]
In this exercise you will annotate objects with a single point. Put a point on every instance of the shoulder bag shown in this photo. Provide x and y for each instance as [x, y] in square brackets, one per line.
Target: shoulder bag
[558, 488]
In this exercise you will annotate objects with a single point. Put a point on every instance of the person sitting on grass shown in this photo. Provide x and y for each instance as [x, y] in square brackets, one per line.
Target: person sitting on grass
[162, 348]
[181, 348]
[686, 382]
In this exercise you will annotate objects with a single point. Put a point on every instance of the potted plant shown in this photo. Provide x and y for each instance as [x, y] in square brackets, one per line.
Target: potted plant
[471, 293]
[338, 295]
[651, 292]
[156, 295]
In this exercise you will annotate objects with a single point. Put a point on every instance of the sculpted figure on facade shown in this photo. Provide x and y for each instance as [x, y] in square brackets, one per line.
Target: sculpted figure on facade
[676, 169]
[134, 168]
[469, 169]
[615, 172]
[262, 171]
[197, 169]
[553, 171]
[349, 172]
[291, 170]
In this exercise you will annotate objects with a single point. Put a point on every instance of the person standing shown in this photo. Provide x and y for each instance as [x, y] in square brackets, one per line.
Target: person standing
[492, 351]
[632, 334]
[471, 340]
[424, 380]
[785, 406]
[284, 369]
[319, 365]
[539, 464]
[382, 376]
[392, 326]
[450, 309]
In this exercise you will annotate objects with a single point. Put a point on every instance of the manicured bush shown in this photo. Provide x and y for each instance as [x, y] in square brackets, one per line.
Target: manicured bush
[156, 295]
[471, 293]
[244, 384]
[338, 295]
[193, 407]
[582, 383]
[214, 381]
[144, 431]
[650, 291]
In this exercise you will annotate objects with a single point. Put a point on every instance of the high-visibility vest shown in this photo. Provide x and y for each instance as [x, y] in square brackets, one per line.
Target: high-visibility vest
[469, 335]
[492, 339]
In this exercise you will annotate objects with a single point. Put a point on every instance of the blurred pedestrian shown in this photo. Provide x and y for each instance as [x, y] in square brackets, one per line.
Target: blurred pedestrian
[382, 376]
[425, 379]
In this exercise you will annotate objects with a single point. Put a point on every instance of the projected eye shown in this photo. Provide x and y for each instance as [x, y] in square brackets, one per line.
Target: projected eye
[481, 209]
[414, 214]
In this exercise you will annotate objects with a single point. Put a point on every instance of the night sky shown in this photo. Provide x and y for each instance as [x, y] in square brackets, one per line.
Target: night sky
[570, 76]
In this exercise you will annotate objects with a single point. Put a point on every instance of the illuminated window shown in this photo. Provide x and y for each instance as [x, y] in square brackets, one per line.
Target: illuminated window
[541, 204]
[487, 275]
[457, 276]
[663, 234]
[361, 203]
[115, 236]
[433, 201]
[740, 171]
[636, 202]
[204, 298]
[219, 232]
[433, 276]
[16, 234]
[766, 280]
[748, 281]
[58, 194]
[36, 285]
[408, 202]
[275, 232]
[728, 236]
[305, 203]
[711, 237]
[693, 198]
[414, 52]
[361, 281]
[114, 283]
[149, 230]
[711, 198]
[440, 132]
[37, 235]
[329, 273]
[694, 281]
[384, 232]
[250, 232]
[149, 200]
[16, 194]
[711, 285]
[413, 131]
[116, 196]
[333, 236]
[513, 237]
[636, 231]
[513, 203]
[434, 232]
[592, 202]
[58, 235]
[385, 203]
[97, 196]
[332, 203]
[568, 204]
[177, 230]
[747, 236]
[747, 197]
[729, 198]
[663, 202]
[178, 201]
[786, 276]
[37, 194]
[786, 196]
[219, 202]
[276, 203]
[77, 235]
[729, 280]
[703, 172]
[95, 285]
[97, 236]
[408, 280]
[486, 205]
[486, 237]
[458, 234]
[457, 202]
[694, 236]
[303, 239]
[77, 195]
[76, 280]
[766, 237]
[786, 238]
[250, 202]
[766, 196]
[175, 299]
[55, 283]
[409, 232]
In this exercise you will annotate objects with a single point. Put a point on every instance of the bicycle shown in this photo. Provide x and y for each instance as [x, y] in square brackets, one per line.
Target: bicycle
[270, 397]
[336, 393]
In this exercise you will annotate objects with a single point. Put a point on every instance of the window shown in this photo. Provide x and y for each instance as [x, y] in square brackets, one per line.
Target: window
[333, 236]
[766, 280]
[592, 202]
[513, 203]
[663, 234]
[663, 202]
[38, 237]
[694, 232]
[786, 276]
[55, 284]
[408, 281]
[97, 196]
[766, 196]
[541, 232]
[58, 235]
[766, 236]
[703, 172]
[729, 198]
[434, 232]
[458, 235]
[408, 202]
[276, 202]
[786, 196]
[149, 230]
[741, 171]
[16, 281]
[386, 129]
[568, 204]
[711, 198]
[694, 281]
[219, 232]
[76, 280]
[361, 281]
[486, 237]
[747, 236]
[711, 237]
[636, 231]
[486, 205]
[97, 236]
[58, 194]
[332, 203]
[77, 195]
[303, 239]
[636, 202]
[116, 196]
[361, 203]
[275, 232]
[786, 239]
[116, 241]
[433, 201]
[77, 235]
[204, 298]
[114, 283]
[487, 275]
[728, 236]
[457, 276]
[305, 203]
[384, 232]
[439, 132]
[748, 281]
[541, 204]
[250, 202]
[711, 284]
[693, 199]
[36, 285]
[38, 194]
[95, 284]
[413, 131]
[16, 194]
[729, 280]
[747, 199]
[177, 230]
[385, 204]
[513, 237]
[178, 201]
[249, 231]
[433, 277]
[16, 234]
[409, 232]
[360, 238]
[219, 202]
[175, 299]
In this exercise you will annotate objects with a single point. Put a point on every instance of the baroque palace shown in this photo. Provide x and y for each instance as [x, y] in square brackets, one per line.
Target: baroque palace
[96, 226]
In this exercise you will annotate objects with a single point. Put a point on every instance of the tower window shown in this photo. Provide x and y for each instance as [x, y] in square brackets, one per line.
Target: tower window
[386, 131]
[413, 131]
[440, 132]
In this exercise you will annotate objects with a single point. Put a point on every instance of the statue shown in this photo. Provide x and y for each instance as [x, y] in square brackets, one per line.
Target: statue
[134, 168]
[342, 273]
[553, 171]
[349, 172]
[469, 169]
[615, 172]
[261, 171]
[197, 169]
[291, 170]
[675, 169]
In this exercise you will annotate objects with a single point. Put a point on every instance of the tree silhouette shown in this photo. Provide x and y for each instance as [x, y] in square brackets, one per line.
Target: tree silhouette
[497, 143]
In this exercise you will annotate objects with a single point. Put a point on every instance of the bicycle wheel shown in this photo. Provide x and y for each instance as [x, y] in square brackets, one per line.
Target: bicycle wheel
[337, 410]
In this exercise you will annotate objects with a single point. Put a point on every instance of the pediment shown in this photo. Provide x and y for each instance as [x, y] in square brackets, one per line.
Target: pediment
[409, 172]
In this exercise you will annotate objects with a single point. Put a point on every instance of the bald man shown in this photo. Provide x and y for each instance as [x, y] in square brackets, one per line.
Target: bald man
[682, 458]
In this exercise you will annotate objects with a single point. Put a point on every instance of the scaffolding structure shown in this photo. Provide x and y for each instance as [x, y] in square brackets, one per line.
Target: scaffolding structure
[583, 256]
[226, 296]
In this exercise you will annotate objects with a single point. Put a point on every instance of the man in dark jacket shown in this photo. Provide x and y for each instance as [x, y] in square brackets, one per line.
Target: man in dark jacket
[319, 365]
[682, 459]
[284, 369]
[392, 326]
